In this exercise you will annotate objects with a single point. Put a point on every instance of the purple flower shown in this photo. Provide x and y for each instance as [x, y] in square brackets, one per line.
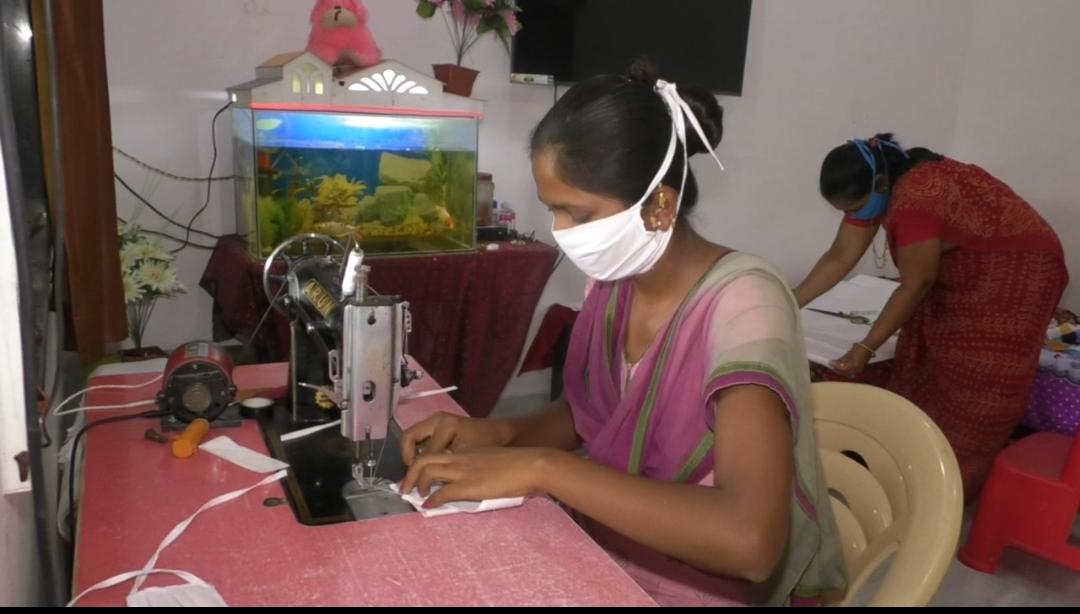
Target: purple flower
[463, 15]
[466, 19]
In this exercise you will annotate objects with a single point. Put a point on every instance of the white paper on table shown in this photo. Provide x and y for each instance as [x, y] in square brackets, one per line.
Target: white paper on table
[830, 337]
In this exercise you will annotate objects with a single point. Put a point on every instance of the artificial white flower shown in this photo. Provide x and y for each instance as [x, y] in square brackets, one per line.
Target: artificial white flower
[132, 290]
[128, 258]
[153, 250]
[157, 276]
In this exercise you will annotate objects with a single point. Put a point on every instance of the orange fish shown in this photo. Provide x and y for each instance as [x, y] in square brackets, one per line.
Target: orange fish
[445, 217]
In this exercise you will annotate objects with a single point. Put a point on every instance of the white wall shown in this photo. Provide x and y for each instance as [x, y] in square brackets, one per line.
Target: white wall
[1020, 109]
[818, 72]
[18, 571]
[168, 65]
[13, 401]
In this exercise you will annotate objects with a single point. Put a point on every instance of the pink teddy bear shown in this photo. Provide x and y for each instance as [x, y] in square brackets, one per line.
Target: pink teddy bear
[339, 34]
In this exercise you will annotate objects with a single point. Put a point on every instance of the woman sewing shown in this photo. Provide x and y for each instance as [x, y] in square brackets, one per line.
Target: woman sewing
[980, 276]
[686, 379]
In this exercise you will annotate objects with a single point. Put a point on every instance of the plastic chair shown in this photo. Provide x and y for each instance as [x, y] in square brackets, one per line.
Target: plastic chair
[896, 491]
[1030, 502]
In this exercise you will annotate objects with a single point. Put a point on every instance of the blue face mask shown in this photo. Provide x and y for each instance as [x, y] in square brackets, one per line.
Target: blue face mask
[879, 201]
[874, 208]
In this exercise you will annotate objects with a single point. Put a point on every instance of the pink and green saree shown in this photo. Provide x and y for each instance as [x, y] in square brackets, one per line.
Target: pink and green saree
[737, 326]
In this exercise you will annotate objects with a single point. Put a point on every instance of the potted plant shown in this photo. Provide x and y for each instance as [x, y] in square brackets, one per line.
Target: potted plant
[466, 22]
[148, 274]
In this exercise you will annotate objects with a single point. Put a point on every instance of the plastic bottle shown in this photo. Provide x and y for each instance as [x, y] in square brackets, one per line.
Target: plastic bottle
[506, 216]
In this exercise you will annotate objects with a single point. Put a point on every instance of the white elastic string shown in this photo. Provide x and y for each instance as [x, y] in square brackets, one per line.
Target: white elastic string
[183, 525]
[664, 166]
[142, 573]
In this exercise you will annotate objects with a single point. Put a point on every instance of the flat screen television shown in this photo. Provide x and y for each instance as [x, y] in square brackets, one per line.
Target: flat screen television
[702, 42]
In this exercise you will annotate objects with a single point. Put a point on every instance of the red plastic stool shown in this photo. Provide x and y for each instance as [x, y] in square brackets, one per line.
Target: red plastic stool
[1029, 502]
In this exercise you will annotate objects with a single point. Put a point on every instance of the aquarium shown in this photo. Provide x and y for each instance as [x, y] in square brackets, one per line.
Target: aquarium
[397, 176]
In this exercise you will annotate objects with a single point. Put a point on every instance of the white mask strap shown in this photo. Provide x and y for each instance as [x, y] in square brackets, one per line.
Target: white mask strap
[680, 112]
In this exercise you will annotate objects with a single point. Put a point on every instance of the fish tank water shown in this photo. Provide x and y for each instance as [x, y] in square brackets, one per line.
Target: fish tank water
[383, 157]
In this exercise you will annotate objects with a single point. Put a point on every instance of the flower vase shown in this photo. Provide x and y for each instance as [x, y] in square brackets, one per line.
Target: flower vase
[456, 79]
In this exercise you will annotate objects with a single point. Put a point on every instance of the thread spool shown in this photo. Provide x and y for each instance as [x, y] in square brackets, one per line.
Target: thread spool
[255, 406]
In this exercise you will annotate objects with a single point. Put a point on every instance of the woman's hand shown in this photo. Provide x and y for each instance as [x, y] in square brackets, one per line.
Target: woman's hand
[852, 364]
[491, 473]
[443, 432]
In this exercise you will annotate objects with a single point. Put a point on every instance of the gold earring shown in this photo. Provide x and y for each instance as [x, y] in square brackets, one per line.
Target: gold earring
[662, 201]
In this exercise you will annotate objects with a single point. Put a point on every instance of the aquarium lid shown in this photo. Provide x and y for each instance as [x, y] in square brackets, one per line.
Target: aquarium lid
[324, 108]
[300, 80]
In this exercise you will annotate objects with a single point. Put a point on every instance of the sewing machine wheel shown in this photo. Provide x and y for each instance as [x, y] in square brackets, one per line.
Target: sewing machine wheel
[285, 253]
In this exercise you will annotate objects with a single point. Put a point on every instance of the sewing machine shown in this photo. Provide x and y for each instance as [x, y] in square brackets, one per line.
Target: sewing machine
[347, 363]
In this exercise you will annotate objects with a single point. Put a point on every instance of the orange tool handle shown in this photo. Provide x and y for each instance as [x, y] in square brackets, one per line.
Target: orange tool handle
[188, 441]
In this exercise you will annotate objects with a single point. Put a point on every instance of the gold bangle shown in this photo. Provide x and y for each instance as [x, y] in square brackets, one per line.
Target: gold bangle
[873, 354]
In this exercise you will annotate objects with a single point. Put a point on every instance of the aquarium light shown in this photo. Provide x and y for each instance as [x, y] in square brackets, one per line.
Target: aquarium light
[374, 110]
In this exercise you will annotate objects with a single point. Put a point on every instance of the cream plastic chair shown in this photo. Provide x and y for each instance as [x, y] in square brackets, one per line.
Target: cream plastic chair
[903, 500]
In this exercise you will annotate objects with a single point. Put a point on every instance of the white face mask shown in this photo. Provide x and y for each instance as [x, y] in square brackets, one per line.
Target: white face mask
[619, 246]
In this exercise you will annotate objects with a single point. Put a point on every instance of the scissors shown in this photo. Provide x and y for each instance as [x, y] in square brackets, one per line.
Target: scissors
[854, 319]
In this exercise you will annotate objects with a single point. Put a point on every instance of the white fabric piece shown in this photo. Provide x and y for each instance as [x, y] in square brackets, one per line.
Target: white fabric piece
[409, 394]
[224, 447]
[414, 499]
[179, 595]
[311, 430]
